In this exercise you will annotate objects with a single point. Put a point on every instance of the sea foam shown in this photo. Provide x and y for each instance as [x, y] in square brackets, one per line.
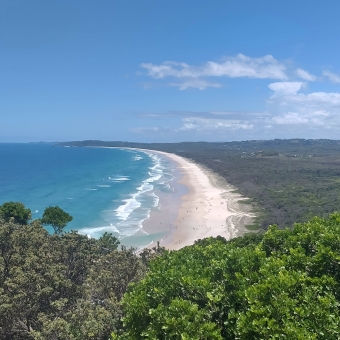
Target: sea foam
[126, 219]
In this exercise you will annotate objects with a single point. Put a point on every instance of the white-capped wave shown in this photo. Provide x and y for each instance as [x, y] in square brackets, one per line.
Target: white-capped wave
[94, 232]
[127, 219]
[146, 186]
[157, 170]
[119, 179]
[91, 189]
[155, 200]
[104, 186]
[123, 211]
[137, 158]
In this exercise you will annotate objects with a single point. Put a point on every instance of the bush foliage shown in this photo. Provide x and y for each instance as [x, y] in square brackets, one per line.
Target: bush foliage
[15, 210]
[65, 287]
[285, 286]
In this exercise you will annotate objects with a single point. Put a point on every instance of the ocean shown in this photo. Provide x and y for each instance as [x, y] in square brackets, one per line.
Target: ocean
[104, 189]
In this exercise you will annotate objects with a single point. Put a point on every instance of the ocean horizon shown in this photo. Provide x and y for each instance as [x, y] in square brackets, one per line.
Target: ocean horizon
[104, 189]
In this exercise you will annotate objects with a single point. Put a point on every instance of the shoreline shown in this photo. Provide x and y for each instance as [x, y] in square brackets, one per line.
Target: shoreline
[202, 204]
[209, 208]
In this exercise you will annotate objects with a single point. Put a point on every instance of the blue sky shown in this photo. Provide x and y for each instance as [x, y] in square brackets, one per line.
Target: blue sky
[167, 71]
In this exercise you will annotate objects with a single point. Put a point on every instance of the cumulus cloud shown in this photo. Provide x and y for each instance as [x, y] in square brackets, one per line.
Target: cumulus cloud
[316, 110]
[303, 74]
[289, 110]
[195, 83]
[333, 77]
[307, 115]
[285, 88]
[295, 118]
[233, 67]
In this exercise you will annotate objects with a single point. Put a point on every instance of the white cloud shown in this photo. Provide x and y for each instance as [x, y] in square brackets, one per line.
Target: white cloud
[295, 118]
[303, 115]
[285, 88]
[291, 118]
[303, 74]
[316, 110]
[203, 124]
[323, 113]
[333, 77]
[316, 99]
[195, 83]
[289, 111]
[233, 67]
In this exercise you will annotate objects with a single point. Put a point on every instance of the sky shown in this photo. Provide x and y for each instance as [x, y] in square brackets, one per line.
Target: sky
[169, 71]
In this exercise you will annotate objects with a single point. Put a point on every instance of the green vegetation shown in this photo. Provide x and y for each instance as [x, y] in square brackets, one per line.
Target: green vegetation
[288, 181]
[57, 218]
[284, 284]
[107, 243]
[15, 210]
[61, 286]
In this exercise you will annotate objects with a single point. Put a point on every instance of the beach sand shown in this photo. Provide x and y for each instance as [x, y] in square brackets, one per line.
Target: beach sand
[207, 206]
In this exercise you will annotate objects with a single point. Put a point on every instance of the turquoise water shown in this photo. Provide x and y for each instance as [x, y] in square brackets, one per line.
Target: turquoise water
[104, 189]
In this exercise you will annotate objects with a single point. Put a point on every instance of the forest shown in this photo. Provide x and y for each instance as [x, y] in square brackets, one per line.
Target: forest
[282, 284]
[287, 181]
[62, 286]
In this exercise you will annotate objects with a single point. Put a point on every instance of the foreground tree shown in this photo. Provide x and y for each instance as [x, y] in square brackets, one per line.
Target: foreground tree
[17, 211]
[284, 285]
[57, 218]
[61, 287]
[107, 243]
[30, 278]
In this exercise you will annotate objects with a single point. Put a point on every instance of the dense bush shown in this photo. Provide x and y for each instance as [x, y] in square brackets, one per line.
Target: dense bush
[63, 286]
[15, 210]
[285, 286]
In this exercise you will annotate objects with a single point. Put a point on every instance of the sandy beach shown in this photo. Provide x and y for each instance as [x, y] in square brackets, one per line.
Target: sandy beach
[210, 207]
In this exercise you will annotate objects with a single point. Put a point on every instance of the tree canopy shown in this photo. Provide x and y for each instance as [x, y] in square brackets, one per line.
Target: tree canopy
[285, 286]
[107, 243]
[57, 218]
[61, 286]
[15, 210]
